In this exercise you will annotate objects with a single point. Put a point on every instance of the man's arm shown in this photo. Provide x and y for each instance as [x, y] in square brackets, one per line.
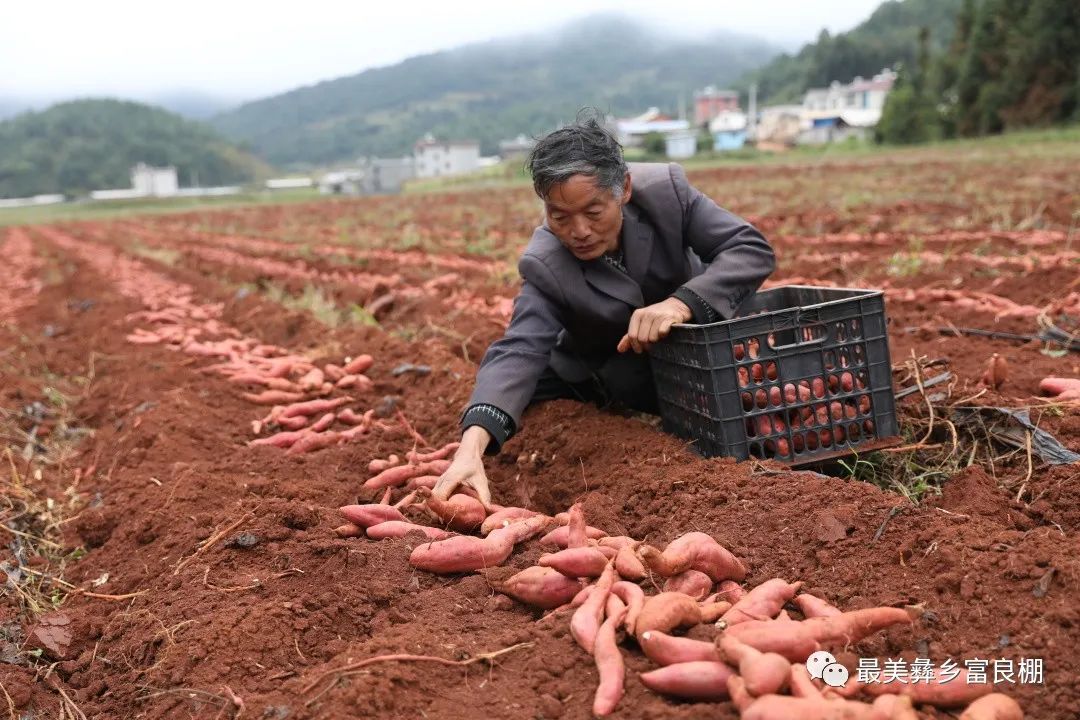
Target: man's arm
[512, 365]
[738, 257]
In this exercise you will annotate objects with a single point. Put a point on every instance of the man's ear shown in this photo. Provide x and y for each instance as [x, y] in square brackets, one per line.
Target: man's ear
[626, 189]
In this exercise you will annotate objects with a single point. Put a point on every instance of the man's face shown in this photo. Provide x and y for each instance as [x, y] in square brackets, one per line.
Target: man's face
[586, 218]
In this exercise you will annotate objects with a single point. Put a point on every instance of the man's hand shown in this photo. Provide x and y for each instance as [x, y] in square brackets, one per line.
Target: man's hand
[467, 468]
[649, 324]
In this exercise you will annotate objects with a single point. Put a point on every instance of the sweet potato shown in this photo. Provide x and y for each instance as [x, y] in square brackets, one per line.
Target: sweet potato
[695, 680]
[667, 611]
[628, 564]
[333, 372]
[995, 706]
[541, 587]
[423, 482]
[292, 423]
[634, 597]
[802, 685]
[323, 423]
[582, 596]
[896, 707]
[731, 591]
[798, 640]
[740, 698]
[615, 606]
[351, 417]
[762, 602]
[397, 476]
[764, 673]
[504, 517]
[353, 433]
[466, 553]
[378, 465]
[576, 562]
[348, 381]
[280, 440]
[618, 542]
[359, 364]
[273, 397]
[314, 407]
[794, 643]
[312, 380]
[314, 441]
[608, 552]
[956, 692]
[560, 536]
[609, 665]
[367, 515]
[694, 583]
[441, 454]
[695, 551]
[585, 622]
[713, 611]
[405, 501]
[349, 530]
[458, 512]
[812, 606]
[664, 649]
[400, 528]
[575, 533]
[248, 378]
[1063, 389]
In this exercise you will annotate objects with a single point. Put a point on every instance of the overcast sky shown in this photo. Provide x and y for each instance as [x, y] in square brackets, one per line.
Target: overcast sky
[243, 50]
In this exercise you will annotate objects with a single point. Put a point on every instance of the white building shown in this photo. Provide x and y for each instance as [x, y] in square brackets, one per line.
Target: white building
[154, 181]
[342, 182]
[680, 145]
[842, 111]
[436, 158]
[289, 183]
[632, 131]
[778, 126]
[31, 201]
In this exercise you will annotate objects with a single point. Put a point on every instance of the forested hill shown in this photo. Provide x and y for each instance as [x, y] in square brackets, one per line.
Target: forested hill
[890, 35]
[491, 91]
[84, 145]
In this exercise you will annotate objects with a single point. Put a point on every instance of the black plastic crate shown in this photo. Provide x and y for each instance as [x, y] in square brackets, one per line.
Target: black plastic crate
[801, 375]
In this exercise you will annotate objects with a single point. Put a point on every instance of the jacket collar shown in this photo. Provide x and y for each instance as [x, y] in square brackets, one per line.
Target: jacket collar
[636, 240]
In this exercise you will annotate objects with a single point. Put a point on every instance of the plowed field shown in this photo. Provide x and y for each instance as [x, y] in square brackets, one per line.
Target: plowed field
[158, 565]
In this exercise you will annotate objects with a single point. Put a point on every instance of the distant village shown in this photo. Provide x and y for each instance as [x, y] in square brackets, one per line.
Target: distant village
[831, 114]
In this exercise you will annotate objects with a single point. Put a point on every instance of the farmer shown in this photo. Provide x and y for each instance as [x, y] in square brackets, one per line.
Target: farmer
[625, 252]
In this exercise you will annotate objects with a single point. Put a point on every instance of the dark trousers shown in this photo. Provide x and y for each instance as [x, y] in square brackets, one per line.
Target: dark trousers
[623, 382]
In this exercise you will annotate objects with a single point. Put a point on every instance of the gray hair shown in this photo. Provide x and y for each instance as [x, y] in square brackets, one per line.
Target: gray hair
[585, 147]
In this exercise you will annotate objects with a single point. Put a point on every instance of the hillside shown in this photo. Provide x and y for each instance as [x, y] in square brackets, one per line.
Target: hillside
[490, 91]
[83, 145]
[888, 36]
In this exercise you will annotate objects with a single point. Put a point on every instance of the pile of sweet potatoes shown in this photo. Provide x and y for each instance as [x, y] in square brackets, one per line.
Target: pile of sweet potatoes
[750, 643]
[304, 411]
[807, 415]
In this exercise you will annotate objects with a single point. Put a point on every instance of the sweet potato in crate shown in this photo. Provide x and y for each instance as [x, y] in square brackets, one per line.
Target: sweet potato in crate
[801, 375]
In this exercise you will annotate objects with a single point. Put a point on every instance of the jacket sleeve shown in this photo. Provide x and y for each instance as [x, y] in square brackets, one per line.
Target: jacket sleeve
[514, 363]
[738, 258]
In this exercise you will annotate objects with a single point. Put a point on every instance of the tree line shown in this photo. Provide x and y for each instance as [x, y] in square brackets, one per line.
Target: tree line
[1011, 64]
[85, 145]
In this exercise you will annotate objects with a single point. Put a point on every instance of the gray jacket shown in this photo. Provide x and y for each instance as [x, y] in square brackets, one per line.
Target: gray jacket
[570, 313]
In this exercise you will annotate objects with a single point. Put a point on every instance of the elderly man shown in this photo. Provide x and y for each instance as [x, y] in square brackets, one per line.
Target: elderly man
[625, 252]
